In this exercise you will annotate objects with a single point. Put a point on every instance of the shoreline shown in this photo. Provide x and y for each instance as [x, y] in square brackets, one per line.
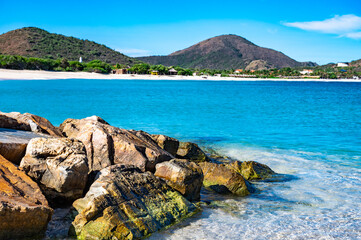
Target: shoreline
[9, 74]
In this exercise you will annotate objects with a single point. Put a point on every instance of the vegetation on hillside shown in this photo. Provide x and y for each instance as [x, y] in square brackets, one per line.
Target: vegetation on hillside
[35, 42]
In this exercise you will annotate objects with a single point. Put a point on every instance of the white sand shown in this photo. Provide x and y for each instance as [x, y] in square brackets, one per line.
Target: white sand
[6, 74]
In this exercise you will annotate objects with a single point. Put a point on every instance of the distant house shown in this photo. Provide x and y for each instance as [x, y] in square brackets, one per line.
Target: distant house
[80, 59]
[154, 72]
[306, 71]
[341, 64]
[238, 71]
[195, 74]
[172, 71]
[120, 71]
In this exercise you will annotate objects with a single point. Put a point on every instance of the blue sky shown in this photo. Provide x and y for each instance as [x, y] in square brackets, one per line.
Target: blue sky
[320, 31]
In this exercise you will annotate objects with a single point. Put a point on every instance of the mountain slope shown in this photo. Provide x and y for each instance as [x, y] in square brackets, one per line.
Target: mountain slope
[35, 42]
[225, 52]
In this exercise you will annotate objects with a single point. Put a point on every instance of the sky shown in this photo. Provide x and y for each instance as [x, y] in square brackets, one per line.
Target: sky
[319, 31]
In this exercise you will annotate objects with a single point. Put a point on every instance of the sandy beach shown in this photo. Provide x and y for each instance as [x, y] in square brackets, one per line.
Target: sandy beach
[7, 74]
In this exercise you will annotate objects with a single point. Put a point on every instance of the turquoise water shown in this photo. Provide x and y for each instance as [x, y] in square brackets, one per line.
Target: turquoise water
[309, 130]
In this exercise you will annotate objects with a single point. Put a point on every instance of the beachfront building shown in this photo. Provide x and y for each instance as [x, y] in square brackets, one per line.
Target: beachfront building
[154, 72]
[306, 72]
[172, 71]
[341, 64]
[120, 71]
[238, 71]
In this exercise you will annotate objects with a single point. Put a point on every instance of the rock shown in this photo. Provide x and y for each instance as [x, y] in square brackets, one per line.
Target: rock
[28, 122]
[59, 165]
[221, 179]
[251, 170]
[167, 143]
[191, 151]
[107, 145]
[184, 176]
[13, 143]
[24, 211]
[125, 203]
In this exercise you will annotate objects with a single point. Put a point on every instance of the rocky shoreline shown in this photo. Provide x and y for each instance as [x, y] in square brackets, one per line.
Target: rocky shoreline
[118, 184]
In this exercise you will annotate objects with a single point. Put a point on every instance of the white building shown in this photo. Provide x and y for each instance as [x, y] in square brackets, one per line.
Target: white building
[342, 64]
[306, 71]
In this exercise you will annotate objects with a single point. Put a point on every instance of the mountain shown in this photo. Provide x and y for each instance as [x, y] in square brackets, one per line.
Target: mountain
[226, 52]
[35, 42]
[356, 63]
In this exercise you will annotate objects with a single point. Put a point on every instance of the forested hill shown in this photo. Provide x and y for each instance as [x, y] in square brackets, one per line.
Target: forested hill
[227, 52]
[36, 42]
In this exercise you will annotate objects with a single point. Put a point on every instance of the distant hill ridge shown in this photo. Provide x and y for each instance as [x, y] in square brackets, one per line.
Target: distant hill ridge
[36, 42]
[227, 52]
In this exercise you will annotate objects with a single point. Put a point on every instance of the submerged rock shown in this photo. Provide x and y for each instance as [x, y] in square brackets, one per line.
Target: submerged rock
[59, 165]
[28, 122]
[107, 145]
[184, 176]
[167, 143]
[251, 170]
[221, 179]
[125, 203]
[191, 151]
[13, 143]
[24, 211]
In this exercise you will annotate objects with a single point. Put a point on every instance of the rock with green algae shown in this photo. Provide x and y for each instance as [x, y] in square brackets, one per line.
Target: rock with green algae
[184, 176]
[125, 203]
[222, 179]
[251, 170]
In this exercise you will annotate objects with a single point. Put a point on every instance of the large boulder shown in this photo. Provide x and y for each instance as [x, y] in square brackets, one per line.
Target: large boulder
[13, 143]
[184, 176]
[24, 211]
[222, 179]
[167, 143]
[125, 203]
[191, 151]
[107, 145]
[251, 170]
[28, 122]
[59, 165]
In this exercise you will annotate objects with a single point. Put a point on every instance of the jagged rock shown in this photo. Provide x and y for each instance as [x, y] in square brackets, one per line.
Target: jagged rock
[59, 165]
[28, 122]
[125, 203]
[184, 176]
[191, 151]
[24, 211]
[221, 179]
[107, 145]
[251, 170]
[13, 143]
[167, 143]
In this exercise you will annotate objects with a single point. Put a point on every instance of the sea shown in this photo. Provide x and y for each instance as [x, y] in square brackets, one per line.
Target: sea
[309, 132]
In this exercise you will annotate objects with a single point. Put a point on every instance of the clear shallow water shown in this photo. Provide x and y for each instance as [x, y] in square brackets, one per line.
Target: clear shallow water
[311, 131]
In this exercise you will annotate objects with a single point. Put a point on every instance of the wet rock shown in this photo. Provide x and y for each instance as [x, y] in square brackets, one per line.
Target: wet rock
[107, 145]
[24, 211]
[251, 170]
[191, 151]
[221, 179]
[13, 143]
[59, 165]
[28, 122]
[125, 203]
[167, 143]
[184, 176]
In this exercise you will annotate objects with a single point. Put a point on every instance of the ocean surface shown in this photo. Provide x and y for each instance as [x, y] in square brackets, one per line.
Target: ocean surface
[310, 131]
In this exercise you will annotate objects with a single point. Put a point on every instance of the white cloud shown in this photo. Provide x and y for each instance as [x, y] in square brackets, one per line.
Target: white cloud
[345, 25]
[132, 52]
[353, 35]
